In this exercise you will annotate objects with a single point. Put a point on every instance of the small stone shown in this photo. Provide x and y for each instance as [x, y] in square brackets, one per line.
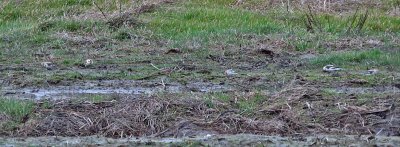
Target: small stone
[230, 72]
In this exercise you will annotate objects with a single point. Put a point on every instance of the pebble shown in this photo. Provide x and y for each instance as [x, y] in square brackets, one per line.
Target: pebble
[230, 72]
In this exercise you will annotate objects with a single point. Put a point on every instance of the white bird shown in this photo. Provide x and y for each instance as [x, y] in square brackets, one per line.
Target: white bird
[372, 71]
[88, 62]
[230, 72]
[330, 68]
[48, 65]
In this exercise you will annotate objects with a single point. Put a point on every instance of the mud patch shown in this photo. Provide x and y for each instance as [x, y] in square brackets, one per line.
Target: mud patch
[209, 140]
[125, 87]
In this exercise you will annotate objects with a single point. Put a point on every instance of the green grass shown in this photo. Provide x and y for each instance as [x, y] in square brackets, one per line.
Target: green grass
[213, 22]
[209, 22]
[246, 105]
[16, 109]
[221, 96]
[362, 58]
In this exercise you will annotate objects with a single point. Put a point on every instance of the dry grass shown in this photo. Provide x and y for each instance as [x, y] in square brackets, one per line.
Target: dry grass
[150, 117]
[337, 6]
[293, 111]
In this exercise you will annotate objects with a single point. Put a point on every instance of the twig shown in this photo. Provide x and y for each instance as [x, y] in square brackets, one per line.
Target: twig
[308, 105]
[120, 7]
[353, 20]
[379, 132]
[313, 17]
[155, 66]
[124, 124]
[160, 133]
[288, 6]
[288, 105]
[362, 21]
[163, 84]
[101, 10]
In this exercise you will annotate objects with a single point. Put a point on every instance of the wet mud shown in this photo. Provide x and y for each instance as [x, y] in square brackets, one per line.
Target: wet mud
[121, 87]
[207, 140]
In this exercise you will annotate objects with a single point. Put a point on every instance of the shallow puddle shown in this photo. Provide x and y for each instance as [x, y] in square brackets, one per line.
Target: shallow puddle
[112, 87]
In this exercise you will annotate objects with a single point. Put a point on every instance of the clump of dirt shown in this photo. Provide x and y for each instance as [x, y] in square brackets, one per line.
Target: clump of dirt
[123, 19]
[255, 52]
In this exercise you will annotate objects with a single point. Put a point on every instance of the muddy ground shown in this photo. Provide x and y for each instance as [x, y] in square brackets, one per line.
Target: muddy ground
[142, 91]
[211, 140]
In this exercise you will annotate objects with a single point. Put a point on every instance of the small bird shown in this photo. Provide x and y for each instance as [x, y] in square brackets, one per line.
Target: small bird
[372, 71]
[330, 68]
[88, 62]
[48, 65]
[230, 72]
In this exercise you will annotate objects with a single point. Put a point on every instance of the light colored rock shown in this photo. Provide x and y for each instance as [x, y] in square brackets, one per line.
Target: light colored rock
[230, 72]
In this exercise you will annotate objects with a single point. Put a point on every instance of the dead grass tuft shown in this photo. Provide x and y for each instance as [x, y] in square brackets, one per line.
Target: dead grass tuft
[336, 6]
[295, 110]
[358, 43]
[75, 38]
[4, 118]
[126, 13]
[153, 116]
